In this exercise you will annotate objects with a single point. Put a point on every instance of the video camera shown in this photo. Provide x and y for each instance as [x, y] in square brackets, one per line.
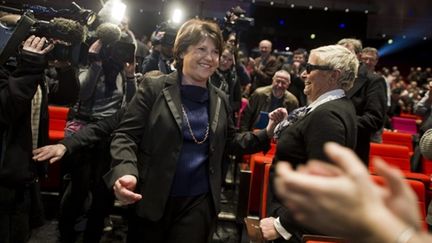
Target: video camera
[75, 12]
[116, 45]
[236, 20]
[69, 32]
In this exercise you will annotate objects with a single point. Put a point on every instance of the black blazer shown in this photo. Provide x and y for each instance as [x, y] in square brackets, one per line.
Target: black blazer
[16, 93]
[149, 140]
[332, 121]
[369, 96]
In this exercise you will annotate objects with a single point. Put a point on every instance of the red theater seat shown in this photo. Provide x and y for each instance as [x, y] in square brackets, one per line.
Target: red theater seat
[264, 191]
[395, 155]
[256, 186]
[420, 191]
[398, 138]
[57, 122]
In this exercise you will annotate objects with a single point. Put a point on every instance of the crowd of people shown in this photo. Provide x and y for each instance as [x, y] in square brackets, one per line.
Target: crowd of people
[155, 133]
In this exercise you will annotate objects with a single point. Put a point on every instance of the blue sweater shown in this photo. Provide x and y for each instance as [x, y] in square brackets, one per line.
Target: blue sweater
[191, 177]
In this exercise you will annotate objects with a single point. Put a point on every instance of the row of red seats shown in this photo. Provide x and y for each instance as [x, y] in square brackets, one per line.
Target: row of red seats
[397, 149]
[57, 123]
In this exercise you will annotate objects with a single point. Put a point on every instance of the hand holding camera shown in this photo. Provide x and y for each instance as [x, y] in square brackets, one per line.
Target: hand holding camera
[37, 45]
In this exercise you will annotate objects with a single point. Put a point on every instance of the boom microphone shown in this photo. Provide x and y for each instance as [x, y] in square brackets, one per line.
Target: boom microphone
[108, 33]
[64, 29]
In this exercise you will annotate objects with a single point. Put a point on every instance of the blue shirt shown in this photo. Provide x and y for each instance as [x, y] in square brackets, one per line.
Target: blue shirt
[191, 176]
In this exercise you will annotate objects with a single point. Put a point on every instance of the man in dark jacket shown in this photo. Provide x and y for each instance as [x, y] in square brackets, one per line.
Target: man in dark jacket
[369, 96]
[264, 66]
[18, 174]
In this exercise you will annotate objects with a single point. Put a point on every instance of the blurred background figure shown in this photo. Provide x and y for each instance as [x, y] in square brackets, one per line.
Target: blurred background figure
[295, 68]
[268, 98]
[369, 56]
[161, 56]
[264, 66]
[369, 97]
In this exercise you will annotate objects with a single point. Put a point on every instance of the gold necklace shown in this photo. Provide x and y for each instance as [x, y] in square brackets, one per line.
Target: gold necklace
[190, 128]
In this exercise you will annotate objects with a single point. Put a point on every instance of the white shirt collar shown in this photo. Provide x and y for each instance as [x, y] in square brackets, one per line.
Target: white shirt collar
[326, 97]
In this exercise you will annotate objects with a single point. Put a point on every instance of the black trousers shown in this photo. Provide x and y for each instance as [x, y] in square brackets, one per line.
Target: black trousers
[15, 207]
[186, 220]
[86, 201]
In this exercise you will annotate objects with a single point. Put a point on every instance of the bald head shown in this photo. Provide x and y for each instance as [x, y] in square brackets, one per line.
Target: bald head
[265, 47]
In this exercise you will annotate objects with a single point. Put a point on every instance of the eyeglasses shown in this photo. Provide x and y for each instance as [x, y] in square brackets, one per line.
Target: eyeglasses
[310, 67]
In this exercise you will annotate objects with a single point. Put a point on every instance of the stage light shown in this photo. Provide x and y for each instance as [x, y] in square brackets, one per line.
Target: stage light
[177, 16]
[287, 48]
[118, 10]
[312, 36]
[366, 11]
[342, 25]
[113, 11]
[425, 38]
[325, 8]
[292, 5]
[271, 3]
[281, 22]
[310, 7]
[390, 41]
[347, 10]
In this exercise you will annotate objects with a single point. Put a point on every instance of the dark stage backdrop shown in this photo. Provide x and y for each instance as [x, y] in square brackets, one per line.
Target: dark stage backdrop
[284, 26]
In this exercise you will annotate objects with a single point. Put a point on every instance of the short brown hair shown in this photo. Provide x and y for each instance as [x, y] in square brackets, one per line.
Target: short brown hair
[193, 32]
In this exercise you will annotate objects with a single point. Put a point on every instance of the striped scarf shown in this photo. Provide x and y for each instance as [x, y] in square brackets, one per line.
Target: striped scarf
[35, 116]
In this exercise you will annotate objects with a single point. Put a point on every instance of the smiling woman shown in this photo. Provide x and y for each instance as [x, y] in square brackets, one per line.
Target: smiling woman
[329, 117]
[167, 152]
[199, 63]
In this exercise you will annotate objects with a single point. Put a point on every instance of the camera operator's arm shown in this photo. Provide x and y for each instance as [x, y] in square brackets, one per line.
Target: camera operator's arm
[131, 81]
[88, 77]
[87, 136]
[17, 89]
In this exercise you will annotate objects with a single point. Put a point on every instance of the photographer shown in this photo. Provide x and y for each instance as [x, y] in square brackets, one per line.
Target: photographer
[18, 175]
[107, 85]
[161, 56]
[25, 89]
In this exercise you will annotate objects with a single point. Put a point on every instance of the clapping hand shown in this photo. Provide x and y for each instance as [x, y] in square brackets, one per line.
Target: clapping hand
[275, 117]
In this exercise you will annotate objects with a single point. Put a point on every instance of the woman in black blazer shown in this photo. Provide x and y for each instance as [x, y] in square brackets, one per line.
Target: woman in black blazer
[330, 116]
[167, 151]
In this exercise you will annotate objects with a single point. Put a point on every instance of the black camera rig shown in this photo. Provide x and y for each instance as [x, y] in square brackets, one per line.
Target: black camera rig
[70, 32]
